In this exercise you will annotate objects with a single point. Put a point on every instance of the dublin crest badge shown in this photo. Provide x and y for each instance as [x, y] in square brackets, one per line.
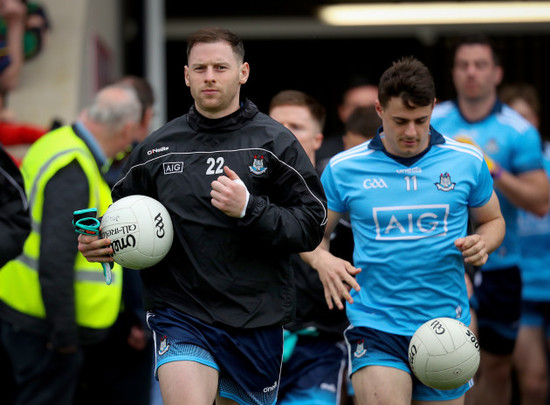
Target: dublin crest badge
[360, 350]
[445, 183]
[164, 346]
[258, 167]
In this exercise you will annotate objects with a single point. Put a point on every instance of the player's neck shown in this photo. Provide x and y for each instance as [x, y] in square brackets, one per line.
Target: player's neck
[476, 109]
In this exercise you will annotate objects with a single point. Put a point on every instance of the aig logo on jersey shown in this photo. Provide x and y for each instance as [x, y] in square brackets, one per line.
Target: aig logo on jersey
[172, 167]
[411, 222]
[374, 183]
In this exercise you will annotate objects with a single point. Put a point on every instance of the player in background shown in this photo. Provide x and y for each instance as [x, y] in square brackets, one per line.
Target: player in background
[531, 349]
[512, 148]
[359, 92]
[306, 376]
[243, 196]
[408, 192]
[362, 125]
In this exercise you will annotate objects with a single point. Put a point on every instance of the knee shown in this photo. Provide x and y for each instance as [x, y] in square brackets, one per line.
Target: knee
[499, 369]
[535, 385]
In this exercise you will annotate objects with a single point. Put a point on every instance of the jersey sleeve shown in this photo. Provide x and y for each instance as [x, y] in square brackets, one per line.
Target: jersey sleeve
[334, 201]
[292, 215]
[134, 178]
[527, 152]
[483, 189]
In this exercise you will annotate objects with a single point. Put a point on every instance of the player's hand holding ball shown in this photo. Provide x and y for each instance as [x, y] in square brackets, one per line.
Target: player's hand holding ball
[95, 249]
[140, 230]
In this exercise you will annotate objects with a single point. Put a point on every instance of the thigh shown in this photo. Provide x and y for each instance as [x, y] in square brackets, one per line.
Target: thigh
[382, 385]
[248, 361]
[530, 351]
[194, 382]
[225, 401]
[370, 348]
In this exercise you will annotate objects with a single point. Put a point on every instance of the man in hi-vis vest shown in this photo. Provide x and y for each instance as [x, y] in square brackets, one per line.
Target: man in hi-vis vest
[54, 304]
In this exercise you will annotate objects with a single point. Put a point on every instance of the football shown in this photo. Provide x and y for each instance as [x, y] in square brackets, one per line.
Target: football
[140, 230]
[444, 353]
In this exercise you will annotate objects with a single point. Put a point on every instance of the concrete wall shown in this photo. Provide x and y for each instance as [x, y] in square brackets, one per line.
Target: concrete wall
[60, 81]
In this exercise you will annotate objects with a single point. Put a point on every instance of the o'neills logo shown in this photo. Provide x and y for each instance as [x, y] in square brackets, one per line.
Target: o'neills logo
[119, 230]
[269, 389]
[126, 242]
[157, 150]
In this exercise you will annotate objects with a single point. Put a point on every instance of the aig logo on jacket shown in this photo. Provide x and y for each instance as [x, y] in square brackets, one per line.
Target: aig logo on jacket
[374, 183]
[172, 167]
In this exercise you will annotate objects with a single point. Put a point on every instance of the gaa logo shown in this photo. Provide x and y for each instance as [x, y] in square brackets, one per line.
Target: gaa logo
[159, 226]
[437, 327]
[374, 183]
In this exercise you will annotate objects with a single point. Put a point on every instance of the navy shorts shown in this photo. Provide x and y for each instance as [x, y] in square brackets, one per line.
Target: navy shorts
[497, 302]
[314, 373]
[536, 314]
[371, 347]
[248, 360]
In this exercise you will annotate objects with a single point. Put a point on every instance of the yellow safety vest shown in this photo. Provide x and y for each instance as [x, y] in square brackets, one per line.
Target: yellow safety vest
[97, 304]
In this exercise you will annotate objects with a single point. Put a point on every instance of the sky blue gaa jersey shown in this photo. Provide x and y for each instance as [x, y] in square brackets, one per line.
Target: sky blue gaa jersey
[405, 219]
[513, 143]
[534, 242]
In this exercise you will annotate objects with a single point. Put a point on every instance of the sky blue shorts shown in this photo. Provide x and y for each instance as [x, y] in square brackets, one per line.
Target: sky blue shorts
[248, 360]
[371, 347]
[536, 314]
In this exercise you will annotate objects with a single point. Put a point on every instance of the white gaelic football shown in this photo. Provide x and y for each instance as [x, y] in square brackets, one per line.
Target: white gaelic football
[140, 230]
[444, 353]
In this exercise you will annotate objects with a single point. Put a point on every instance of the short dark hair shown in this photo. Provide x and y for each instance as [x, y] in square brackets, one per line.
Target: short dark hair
[354, 82]
[143, 89]
[476, 39]
[364, 121]
[210, 35]
[299, 98]
[408, 79]
[524, 91]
